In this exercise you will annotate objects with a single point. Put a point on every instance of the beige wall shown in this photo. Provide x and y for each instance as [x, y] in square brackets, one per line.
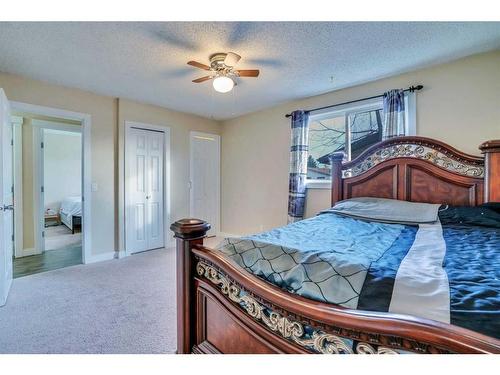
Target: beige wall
[180, 125]
[101, 109]
[105, 112]
[459, 105]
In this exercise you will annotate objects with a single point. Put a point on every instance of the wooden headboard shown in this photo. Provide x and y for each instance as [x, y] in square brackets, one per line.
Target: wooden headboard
[419, 169]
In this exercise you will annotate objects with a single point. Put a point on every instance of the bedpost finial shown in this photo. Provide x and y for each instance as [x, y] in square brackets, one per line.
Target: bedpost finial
[490, 146]
[190, 229]
[337, 157]
[491, 151]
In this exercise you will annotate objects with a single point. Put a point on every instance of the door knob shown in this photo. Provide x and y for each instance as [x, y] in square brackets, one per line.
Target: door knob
[7, 207]
[148, 196]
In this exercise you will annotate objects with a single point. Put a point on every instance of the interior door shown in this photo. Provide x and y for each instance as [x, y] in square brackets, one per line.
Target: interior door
[154, 183]
[7, 201]
[40, 186]
[144, 190]
[205, 179]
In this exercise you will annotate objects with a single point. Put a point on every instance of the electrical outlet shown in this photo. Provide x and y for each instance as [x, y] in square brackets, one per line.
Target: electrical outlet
[94, 187]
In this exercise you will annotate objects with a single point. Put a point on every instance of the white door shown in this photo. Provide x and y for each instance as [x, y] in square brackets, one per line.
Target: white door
[39, 202]
[144, 190]
[6, 199]
[205, 179]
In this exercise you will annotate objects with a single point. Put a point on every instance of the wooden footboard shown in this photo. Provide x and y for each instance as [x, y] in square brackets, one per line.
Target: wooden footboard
[221, 308]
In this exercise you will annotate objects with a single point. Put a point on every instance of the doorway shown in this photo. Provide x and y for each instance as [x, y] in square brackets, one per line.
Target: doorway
[51, 195]
[147, 150]
[204, 174]
[47, 122]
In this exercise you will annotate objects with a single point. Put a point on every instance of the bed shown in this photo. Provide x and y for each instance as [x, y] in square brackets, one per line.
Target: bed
[237, 299]
[71, 212]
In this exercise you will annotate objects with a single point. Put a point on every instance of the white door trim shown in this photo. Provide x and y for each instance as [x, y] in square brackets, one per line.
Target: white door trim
[17, 133]
[38, 195]
[86, 121]
[193, 134]
[38, 176]
[166, 181]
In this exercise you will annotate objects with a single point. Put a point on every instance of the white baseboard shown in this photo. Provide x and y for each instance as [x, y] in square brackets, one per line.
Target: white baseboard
[100, 257]
[122, 254]
[225, 235]
[168, 245]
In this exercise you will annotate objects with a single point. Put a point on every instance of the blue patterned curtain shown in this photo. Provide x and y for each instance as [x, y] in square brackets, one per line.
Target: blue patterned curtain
[394, 114]
[298, 166]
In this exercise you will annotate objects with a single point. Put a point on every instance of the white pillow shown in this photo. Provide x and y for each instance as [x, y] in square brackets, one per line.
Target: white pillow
[387, 210]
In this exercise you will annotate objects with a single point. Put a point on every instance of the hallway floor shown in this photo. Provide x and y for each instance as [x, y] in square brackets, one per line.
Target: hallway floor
[62, 249]
[59, 236]
[48, 261]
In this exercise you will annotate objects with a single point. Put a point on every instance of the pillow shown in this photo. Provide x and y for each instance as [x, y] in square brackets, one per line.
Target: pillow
[487, 215]
[387, 210]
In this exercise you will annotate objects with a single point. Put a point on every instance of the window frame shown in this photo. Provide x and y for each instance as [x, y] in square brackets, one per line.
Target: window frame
[366, 105]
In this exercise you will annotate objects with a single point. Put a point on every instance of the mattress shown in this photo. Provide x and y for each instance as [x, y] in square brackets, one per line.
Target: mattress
[72, 206]
[448, 270]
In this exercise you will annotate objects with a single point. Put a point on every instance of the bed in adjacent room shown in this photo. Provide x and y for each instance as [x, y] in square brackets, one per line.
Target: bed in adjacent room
[71, 212]
[407, 260]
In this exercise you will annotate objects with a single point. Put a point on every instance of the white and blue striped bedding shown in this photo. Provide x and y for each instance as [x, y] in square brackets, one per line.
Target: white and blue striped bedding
[447, 271]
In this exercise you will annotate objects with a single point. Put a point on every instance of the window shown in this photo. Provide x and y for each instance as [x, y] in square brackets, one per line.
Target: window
[351, 129]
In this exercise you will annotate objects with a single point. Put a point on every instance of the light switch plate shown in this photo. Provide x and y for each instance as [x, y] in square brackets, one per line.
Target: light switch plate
[94, 186]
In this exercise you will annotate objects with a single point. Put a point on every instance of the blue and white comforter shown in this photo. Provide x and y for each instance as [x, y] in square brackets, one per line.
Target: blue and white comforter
[447, 271]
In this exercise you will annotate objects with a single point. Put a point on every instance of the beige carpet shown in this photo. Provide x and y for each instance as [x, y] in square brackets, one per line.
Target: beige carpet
[118, 306]
[60, 236]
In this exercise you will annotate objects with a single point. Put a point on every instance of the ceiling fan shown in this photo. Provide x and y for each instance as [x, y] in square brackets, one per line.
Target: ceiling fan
[222, 71]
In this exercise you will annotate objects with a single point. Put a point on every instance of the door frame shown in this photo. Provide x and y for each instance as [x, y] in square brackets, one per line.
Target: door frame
[166, 181]
[17, 135]
[86, 124]
[39, 175]
[193, 134]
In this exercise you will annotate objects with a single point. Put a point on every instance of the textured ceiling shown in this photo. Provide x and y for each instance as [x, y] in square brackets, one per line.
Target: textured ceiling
[147, 61]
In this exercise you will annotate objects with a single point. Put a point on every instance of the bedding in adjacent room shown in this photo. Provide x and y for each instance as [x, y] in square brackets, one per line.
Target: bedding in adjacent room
[447, 270]
[70, 206]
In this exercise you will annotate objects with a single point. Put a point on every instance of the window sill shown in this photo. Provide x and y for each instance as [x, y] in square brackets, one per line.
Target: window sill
[318, 184]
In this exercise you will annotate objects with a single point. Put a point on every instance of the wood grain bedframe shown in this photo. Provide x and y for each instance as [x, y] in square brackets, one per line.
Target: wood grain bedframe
[221, 308]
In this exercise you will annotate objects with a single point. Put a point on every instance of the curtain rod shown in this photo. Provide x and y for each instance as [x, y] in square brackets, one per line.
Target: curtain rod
[409, 89]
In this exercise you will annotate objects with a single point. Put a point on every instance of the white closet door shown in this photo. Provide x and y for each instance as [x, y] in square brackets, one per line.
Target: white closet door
[154, 197]
[136, 188]
[205, 179]
[144, 190]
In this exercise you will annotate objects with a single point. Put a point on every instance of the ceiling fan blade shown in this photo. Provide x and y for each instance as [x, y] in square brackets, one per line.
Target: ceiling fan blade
[198, 65]
[202, 79]
[232, 59]
[248, 73]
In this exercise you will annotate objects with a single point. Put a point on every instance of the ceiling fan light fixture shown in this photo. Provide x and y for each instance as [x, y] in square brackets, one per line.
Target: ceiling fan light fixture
[223, 84]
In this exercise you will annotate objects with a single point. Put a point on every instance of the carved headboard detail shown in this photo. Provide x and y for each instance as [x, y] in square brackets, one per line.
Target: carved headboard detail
[416, 169]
